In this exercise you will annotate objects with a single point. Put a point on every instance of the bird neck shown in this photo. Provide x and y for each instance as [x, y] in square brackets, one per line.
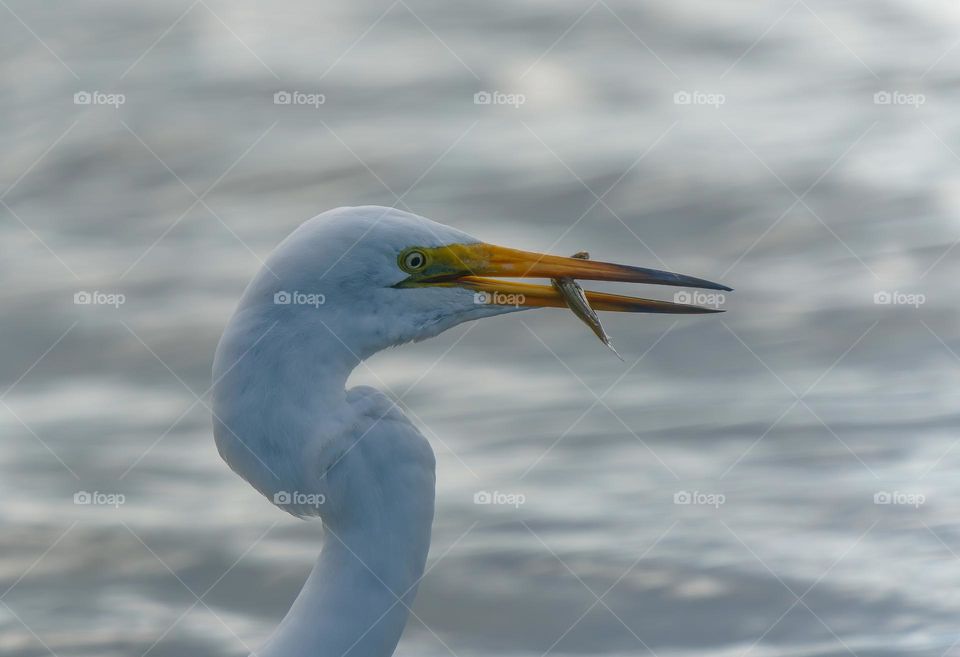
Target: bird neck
[378, 519]
[298, 431]
[354, 602]
[277, 389]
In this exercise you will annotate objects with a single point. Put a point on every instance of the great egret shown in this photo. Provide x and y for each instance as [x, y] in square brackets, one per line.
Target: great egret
[341, 287]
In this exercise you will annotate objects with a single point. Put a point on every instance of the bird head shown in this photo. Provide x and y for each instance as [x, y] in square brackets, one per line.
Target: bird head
[349, 283]
[379, 277]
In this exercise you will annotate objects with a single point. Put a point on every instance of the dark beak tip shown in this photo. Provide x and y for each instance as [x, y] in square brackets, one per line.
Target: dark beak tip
[691, 281]
[710, 285]
[700, 310]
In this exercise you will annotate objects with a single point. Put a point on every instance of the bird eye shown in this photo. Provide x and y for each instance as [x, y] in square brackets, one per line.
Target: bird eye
[412, 261]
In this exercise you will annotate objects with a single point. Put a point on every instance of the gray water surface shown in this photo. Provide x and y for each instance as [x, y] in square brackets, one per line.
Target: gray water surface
[783, 421]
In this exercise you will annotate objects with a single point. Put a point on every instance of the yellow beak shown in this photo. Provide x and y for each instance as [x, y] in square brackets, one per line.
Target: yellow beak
[469, 265]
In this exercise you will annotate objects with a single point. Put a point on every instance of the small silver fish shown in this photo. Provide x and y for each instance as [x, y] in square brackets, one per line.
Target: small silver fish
[576, 300]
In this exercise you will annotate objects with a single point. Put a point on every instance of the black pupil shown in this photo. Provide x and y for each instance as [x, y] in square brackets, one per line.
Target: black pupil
[415, 260]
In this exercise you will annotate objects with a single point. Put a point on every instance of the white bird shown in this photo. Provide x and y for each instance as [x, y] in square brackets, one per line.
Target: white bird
[343, 286]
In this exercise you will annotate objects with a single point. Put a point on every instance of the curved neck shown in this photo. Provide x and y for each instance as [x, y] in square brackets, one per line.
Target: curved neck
[299, 432]
[355, 602]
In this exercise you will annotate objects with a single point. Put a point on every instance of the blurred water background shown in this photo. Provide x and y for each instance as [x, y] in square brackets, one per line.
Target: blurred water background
[803, 152]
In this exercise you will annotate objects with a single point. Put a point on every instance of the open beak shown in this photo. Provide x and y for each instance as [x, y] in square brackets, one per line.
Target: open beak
[479, 267]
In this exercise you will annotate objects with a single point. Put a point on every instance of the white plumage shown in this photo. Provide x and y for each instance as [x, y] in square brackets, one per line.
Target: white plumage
[344, 285]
